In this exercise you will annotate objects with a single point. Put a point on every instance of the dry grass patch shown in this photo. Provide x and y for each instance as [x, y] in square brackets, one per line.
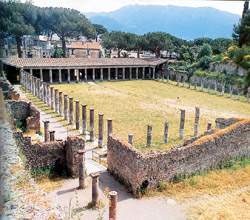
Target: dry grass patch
[134, 104]
[48, 185]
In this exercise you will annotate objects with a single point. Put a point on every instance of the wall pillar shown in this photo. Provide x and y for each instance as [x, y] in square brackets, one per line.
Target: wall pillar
[166, 133]
[100, 136]
[154, 72]
[56, 100]
[52, 136]
[182, 122]
[48, 93]
[149, 72]
[77, 114]
[60, 103]
[84, 119]
[113, 205]
[51, 98]
[108, 74]
[196, 123]
[81, 169]
[46, 131]
[131, 139]
[71, 111]
[68, 75]
[60, 75]
[38, 91]
[50, 76]
[95, 184]
[65, 106]
[149, 136]
[92, 125]
[101, 74]
[136, 73]
[143, 73]
[44, 93]
[77, 75]
[86, 75]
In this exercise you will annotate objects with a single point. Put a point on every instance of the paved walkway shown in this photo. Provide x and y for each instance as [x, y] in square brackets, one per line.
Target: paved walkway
[75, 201]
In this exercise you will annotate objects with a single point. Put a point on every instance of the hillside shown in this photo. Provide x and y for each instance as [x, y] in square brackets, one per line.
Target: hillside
[184, 22]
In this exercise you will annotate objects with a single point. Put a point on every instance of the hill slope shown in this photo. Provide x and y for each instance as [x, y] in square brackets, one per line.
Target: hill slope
[183, 22]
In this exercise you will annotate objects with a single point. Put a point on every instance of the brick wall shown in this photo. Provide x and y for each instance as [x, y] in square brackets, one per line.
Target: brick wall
[135, 168]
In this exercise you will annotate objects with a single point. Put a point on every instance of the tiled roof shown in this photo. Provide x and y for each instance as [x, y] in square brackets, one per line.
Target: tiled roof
[85, 45]
[79, 62]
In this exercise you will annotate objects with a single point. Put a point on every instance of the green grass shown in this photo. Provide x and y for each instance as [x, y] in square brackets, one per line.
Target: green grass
[134, 104]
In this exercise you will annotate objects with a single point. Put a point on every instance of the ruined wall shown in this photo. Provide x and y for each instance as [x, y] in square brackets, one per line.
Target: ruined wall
[22, 110]
[222, 123]
[228, 68]
[135, 168]
[45, 154]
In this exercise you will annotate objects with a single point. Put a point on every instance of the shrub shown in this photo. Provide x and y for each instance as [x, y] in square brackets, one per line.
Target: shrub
[204, 62]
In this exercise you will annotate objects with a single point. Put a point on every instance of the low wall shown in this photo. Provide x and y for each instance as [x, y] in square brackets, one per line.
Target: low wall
[136, 169]
[43, 155]
[23, 110]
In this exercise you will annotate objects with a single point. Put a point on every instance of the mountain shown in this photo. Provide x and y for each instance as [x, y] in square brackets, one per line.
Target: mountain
[183, 22]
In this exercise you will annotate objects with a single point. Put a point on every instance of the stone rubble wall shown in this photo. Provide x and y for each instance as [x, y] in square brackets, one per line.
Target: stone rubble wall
[228, 68]
[135, 168]
[43, 155]
[23, 110]
[222, 123]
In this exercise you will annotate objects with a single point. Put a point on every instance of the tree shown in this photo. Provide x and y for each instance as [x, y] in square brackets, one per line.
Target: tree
[205, 50]
[16, 20]
[100, 29]
[186, 53]
[141, 43]
[241, 32]
[58, 53]
[157, 41]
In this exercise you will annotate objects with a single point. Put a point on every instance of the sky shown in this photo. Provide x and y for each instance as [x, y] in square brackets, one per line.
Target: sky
[235, 7]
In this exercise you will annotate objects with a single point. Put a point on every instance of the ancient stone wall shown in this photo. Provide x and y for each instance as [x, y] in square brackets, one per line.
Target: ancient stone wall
[22, 110]
[136, 169]
[222, 123]
[43, 155]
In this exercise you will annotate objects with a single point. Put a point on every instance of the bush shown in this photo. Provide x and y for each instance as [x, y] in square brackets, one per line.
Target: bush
[204, 62]
[205, 50]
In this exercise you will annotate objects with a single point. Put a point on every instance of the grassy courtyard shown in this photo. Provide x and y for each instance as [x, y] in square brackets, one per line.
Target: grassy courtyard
[134, 104]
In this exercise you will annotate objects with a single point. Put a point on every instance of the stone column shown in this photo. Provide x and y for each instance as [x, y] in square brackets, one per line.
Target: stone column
[65, 106]
[195, 84]
[123, 73]
[77, 114]
[196, 122]
[60, 75]
[86, 75]
[183, 82]
[38, 93]
[50, 76]
[166, 133]
[93, 74]
[143, 73]
[116, 73]
[77, 75]
[84, 119]
[60, 103]
[153, 72]
[230, 91]
[46, 131]
[202, 84]
[44, 92]
[21, 76]
[136, 75]
[71, 111]
[52, 136]
[108, 74]
[48, 92]
[81, 169]
[182, 122]
[95, 184]
[34, 86]
[51, 98]
[56, 100]
[110, 127]
[223, 87]
[209, 126]
[149, 72]
[68, 75]
[248, 97]
[130, 73]
[208, 85]
[215, 86]
[100, 136]
[113, 205]
[130, 139]
[149, 136]
[92, 125]
[101, 74]
[238, 91]
[41, 74]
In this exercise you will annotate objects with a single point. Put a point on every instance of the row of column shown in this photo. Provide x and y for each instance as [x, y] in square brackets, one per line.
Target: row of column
[151, 74]
[64, 106]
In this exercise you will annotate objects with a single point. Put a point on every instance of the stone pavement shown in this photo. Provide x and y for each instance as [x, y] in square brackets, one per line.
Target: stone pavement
[75, 201]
